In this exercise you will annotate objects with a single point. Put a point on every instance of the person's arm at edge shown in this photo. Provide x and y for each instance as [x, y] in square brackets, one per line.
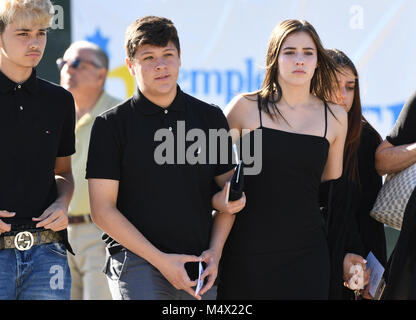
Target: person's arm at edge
[392, 159]
[398, 151]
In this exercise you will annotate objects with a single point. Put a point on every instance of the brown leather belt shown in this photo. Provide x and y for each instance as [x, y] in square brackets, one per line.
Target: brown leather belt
[86, 218]
[24, 240]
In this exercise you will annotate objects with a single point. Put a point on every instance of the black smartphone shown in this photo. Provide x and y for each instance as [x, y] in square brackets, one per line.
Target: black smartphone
[237, 183]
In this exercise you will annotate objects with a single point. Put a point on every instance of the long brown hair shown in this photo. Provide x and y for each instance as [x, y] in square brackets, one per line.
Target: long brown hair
[322, 80]
[356, 120]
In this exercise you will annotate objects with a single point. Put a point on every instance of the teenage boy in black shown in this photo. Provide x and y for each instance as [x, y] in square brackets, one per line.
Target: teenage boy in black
[162, 214]
[37, 120]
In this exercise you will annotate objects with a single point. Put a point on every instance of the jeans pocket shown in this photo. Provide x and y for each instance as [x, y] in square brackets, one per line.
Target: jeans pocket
[117, 265]
[57, 248]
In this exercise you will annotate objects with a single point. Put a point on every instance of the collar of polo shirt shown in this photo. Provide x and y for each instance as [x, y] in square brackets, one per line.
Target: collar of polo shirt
[7, 85]
[149, 108]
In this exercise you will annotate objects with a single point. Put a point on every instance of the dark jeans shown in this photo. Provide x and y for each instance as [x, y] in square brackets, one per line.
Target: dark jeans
[131, 277]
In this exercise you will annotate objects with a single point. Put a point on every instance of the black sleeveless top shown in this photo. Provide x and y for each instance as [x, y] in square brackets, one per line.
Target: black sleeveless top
[277, 247]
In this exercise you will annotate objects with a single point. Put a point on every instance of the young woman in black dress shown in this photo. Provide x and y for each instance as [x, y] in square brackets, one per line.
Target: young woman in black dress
[277, 248]
[350, 227]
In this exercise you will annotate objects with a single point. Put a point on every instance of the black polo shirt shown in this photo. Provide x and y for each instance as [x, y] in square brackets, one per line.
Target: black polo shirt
[37, 121]
[169, 204]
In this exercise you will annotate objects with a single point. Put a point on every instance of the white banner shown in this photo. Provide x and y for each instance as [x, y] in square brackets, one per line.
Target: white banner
[224, 43]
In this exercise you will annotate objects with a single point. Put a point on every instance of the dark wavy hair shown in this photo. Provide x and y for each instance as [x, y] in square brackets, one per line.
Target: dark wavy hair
[356, 120]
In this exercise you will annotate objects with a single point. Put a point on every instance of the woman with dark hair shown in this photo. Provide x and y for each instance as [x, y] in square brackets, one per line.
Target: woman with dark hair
[277, 248]
[348, 204]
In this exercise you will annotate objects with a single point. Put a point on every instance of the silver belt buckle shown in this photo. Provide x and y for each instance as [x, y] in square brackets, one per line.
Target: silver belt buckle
[23, 241]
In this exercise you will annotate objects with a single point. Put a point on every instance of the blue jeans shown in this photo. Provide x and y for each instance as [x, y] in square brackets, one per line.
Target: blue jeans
[40, 273]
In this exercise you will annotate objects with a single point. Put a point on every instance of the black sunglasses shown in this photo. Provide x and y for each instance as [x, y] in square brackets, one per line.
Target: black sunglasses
[74, 63]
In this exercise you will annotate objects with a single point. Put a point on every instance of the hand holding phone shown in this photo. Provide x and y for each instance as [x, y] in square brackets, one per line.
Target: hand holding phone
[200, 281]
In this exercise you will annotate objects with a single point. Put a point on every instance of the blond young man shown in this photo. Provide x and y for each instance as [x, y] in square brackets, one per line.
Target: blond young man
[36, 185]
[157, 217]
[83, 71]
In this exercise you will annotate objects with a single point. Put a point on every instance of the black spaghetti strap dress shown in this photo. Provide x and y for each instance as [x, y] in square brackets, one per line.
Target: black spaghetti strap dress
[277, 248]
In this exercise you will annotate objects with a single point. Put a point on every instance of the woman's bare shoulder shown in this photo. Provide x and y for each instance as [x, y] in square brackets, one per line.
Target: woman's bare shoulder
[240, 110]
[339, 112]
[241, 103]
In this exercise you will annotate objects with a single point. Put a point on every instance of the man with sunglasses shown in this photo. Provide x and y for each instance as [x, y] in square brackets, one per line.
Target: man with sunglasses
[83, 70]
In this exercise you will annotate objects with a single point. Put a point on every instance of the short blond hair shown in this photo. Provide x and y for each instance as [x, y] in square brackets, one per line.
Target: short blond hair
[38, 12]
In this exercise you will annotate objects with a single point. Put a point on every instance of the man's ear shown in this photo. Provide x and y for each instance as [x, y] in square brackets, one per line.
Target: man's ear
[129, 65]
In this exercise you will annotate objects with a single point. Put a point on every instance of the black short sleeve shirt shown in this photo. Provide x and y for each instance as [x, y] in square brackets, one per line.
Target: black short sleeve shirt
[404, 130]
[37, 121]
[169, 203]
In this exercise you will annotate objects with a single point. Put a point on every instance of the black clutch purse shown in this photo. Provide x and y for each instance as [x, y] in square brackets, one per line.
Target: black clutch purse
[237, 183]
